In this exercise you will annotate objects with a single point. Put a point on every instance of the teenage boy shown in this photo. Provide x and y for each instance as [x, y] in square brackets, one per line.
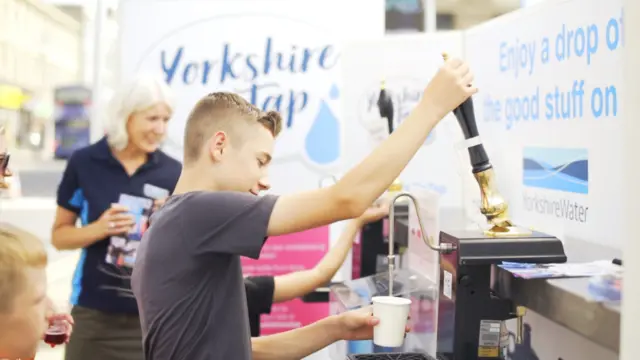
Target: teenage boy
[187, 278]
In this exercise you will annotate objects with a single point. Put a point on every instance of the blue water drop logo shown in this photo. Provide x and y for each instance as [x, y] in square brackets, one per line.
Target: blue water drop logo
[334, 93]
[322, 142]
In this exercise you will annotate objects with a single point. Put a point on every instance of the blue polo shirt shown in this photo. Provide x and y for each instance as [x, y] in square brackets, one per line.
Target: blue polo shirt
[93, 180]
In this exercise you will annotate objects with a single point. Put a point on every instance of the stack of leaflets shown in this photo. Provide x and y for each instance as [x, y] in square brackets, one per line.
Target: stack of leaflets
[122, 249]
[549, 271]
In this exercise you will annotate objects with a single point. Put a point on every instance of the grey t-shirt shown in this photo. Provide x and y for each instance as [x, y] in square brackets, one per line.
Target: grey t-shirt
[187, 277]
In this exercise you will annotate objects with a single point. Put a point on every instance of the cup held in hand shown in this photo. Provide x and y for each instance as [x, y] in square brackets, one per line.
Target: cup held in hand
[392, 312]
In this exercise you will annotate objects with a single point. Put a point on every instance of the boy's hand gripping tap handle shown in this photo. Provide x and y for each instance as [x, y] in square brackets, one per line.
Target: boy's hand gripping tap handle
[493, 207]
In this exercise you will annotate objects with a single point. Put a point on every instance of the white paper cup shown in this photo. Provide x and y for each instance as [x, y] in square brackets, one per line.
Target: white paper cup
[392, 312]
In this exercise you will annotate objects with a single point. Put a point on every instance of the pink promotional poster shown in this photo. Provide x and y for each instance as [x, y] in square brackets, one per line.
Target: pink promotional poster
[285, 254]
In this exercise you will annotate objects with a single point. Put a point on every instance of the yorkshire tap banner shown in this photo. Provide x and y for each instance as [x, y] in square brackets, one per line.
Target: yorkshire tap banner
[549, 112]
[279, 54]
[405, 64]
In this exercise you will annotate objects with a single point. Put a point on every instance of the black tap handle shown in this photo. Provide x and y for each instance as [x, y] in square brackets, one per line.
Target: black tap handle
[385, 107]
[467, 121]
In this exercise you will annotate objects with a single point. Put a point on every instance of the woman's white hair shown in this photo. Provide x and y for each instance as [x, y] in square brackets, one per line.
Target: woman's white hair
[139, 94]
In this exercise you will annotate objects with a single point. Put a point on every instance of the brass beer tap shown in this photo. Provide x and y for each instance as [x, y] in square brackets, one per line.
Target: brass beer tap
[493, 205]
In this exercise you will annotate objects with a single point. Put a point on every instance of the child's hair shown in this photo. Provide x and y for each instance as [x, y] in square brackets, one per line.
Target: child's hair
[19, 250]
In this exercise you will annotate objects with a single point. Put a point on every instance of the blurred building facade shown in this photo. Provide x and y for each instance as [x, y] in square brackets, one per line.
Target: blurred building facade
[414, 15]
[468, 13]
[100, 55]
[40, 49]
[99, 26]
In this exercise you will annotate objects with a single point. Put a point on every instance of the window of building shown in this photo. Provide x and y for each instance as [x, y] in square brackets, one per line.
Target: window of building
[409, 16]
[10, 64]
[3, 66]
[404, 16]
[4, 20]
[445, 21]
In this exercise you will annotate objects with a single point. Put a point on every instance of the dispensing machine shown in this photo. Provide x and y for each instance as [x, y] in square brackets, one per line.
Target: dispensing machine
[471, 314]
[467, 297]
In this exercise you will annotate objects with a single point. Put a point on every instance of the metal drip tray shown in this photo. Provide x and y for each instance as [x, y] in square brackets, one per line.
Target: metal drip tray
[390, 356]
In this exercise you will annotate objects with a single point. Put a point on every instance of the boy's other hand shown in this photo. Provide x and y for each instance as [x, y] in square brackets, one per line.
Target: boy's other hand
[375, 212]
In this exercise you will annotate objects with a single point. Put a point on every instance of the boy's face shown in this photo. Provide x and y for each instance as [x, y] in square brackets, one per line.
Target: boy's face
[243, 165]
[25, 326]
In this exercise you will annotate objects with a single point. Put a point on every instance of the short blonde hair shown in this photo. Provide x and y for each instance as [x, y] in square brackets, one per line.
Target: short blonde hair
[19, 250]
[140, 94]
[223, 111]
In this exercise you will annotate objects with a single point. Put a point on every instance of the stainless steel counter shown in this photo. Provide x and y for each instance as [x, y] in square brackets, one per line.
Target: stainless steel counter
[567, 301]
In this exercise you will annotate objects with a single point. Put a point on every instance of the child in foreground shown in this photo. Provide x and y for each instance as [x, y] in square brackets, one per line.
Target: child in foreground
[25, 310]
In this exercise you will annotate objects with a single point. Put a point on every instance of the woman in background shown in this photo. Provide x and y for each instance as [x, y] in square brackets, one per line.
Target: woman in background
[109, 186]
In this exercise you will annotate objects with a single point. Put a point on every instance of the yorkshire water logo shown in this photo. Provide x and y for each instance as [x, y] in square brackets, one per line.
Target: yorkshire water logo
[559, 169]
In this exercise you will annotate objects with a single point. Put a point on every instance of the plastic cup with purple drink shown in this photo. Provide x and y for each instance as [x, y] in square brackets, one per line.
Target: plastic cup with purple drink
[56, 334]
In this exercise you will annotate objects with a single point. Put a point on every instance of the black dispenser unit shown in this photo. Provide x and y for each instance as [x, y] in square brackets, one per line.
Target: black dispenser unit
[471, 314]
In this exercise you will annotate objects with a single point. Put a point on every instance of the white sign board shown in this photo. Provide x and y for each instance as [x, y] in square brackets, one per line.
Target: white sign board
[279, 54]
[549, 111]
[406, 64]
